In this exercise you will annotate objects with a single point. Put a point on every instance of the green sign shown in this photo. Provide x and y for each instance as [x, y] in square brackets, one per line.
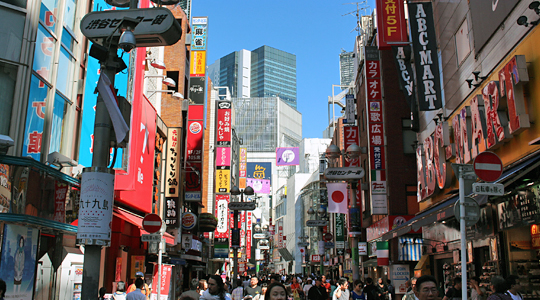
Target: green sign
[340, 227]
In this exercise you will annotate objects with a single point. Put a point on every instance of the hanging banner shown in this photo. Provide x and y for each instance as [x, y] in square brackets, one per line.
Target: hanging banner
[173, 162]
[197, 64]
[243, 168]
[391, 24]
[198, 33]
[166, 272]
[260, 186]
[223, 157]
[425, 55]
[402, 57]
[222, 214]
[95, 208]
[248, 234]
[223, 181]
[60, 192]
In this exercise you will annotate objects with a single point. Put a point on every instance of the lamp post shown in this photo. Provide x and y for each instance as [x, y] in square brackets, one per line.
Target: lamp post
[321, 211]
[355, 219]
[235, 241]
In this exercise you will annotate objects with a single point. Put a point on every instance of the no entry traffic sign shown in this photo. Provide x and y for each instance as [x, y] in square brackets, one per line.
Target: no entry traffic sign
[152, 223]
[488, 166]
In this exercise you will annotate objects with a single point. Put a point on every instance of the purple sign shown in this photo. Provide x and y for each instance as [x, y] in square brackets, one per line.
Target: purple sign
[287, 156]
[260, 186]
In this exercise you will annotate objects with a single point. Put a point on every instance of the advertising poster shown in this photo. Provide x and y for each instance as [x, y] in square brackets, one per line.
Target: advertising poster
[287, 156]
[137, 264]
[222, 212]
[259, 170]
[5, 188]
[399, 274]
[166, 271]
[260, 186]
[18, 263]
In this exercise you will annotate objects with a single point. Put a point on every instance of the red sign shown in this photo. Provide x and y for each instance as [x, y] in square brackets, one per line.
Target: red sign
[535, 236]
[60, 191]
[152, 223]
[166, 272]
[328, 237]
[222, 214]
[392, 28]
[194, 142]
[351, 137]
[248, 235]
[223, 126]
[315, 258]
[488, 166]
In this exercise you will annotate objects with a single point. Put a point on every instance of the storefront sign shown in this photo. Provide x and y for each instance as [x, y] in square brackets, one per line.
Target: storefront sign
[192, 178]
[95, 208]
[402, 56]
[223, 157]
[166, 272]
[315, 258]
[248, 234]
[243, 166]
[223, 181]
[362, 248]
[260, 186]
[137, 265]
[425, 55]
[60, 193]
[399, 274]
[223, 123]
[350, 109]
[535, 236]
[173, 162]
[340, 228]
[350, 137]
[171, 214]
[391, 24]
[259, 170]
[520, 208]
[469, 136]
[222, 213]
[189, 220]
[19, 250]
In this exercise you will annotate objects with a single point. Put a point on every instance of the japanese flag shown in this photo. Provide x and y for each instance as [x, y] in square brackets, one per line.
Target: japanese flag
[337, 197]
[107, 92]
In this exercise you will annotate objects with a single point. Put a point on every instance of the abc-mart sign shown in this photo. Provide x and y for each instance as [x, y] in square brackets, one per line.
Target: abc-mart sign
[489, 119]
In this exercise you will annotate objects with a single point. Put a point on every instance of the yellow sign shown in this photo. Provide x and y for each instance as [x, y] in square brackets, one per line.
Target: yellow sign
[197, 64]
[223, 181]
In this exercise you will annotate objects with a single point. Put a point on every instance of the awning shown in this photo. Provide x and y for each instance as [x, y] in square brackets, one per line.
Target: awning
[445, 209]
[370, 263]
[37, 222]
[285, 254]
[410, 248]
[137, 221]
[30, 162]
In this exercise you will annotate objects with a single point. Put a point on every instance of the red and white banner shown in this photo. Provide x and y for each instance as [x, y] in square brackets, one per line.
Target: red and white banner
[166, 272]
[337, 197]
[280, 236]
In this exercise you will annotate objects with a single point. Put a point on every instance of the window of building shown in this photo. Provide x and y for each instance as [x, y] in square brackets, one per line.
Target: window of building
[12, 24]
[8, 78]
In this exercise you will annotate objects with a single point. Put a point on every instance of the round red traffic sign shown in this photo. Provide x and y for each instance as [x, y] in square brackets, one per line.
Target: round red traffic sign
[488, 166]
[152, 223]
[328, 237]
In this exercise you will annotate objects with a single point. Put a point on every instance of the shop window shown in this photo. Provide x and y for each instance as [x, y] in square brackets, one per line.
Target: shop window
[59, 111]
[69, 13]
[64, 80]
[12, 24]
[48, 13]
[8, 78]
[43, 56]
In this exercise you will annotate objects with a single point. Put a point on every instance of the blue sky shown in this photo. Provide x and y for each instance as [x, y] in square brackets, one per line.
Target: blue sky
[315, 31]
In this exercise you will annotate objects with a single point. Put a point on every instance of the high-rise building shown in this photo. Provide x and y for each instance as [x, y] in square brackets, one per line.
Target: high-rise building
[263, 72]
[346, 67]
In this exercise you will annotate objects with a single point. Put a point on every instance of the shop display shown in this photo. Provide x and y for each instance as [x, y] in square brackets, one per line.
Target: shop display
[529, 277]
[489, 269]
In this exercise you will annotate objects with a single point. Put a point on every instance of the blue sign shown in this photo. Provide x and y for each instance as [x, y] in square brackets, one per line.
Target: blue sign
[35, 116]
[260, 170]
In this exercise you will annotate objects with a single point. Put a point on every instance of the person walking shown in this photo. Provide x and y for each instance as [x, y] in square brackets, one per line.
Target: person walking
[514, 287]
[371, 292]
[477, 292]
[342, 291]
[426, 288]
[193, 290]
[382, 290]
[410, 295]
[145, 289]
[357, 292]
[261, 296]
[276, 291]
[318, 291]
[216, 289]
[137, 294]
[498, 286]
[391, 290]
[307, 286]
[454, 292]
[238, 292]
[120, 293]
[203, 286]
[253, 289]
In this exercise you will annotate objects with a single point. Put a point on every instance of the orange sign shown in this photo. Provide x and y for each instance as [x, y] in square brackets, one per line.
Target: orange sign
[197, 63]
[535, 236]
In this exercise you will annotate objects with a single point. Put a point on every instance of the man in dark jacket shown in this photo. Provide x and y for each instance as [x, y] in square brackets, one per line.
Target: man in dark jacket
[318, 291]
[370, 290]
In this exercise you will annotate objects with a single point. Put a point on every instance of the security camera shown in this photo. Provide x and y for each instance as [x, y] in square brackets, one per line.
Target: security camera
[127, 40]
[5, 143]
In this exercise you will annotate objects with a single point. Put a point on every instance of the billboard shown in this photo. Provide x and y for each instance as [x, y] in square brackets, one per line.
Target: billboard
[261, 170]
[287, 156]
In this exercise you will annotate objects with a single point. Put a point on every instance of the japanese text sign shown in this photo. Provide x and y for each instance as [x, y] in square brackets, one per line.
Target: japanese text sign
[171, 212]
[173, 162]
[223, 157]
[350, 134]
[224, 123]
[222, 214]
[391, 24]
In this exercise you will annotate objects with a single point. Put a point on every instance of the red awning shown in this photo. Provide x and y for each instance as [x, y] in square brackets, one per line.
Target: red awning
[137, 221]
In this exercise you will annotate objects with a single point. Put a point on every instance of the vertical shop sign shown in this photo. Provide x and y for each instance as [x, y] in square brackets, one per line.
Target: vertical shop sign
[425, 55]
[248, 234]
[171, 214]
[19, 250]
[280, 236]
[392, 27]
[243, 168]
[350, 134]
[60, 192]
[173, 162]
[198, 33]
[376, 137]
[224, 122]
[222, 213]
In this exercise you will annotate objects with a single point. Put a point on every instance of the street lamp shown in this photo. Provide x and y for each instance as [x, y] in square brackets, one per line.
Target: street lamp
[235, 241]
[352, 152]
[321, 211]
